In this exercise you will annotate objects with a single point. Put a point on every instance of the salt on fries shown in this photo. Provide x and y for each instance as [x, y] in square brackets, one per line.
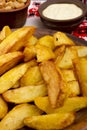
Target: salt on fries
[42, 80]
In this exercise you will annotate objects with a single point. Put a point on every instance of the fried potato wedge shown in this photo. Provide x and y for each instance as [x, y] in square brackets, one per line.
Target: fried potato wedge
[25, 94]
[43, 53]
[12, 42]
[5, 32]
[14, 118]
[60, 50]
[81, 50]
[31, 41]
[29, 53]
[3, 108]
[55, 121]
[54, 81]
[8, 79]
[70, 105]
[31, 77]
[73, 88]
[47, 40]
[69, 74]
[61, 38]
[66, 61]
[80, 67]
[9, 60]
[49, 73]
[59, 53]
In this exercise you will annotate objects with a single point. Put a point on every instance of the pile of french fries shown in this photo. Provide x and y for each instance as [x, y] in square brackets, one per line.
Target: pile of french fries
[43, 81]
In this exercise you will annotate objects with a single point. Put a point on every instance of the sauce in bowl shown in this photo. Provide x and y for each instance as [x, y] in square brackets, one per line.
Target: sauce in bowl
[62, 11]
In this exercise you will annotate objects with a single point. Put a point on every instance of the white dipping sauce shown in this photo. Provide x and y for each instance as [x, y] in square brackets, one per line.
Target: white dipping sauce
[62, 11]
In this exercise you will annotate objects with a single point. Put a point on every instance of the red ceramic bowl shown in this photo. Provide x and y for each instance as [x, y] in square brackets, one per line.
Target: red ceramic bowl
[15, 18]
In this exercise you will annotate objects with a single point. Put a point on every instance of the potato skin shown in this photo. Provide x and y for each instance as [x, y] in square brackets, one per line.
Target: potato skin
[15, 40]
[14, 118]
[9, 60]
[57, 121]
[8, 79]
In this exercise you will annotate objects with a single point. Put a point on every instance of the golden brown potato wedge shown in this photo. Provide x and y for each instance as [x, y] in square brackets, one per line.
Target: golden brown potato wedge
[81, 50]
[70, 105]
[68, 74]
[5, 32]
[73, 88]
[66, 61]
[80, 66]
[9, 60]
[31, 41]
[25, 94]
[16, 39]
[31, 77]
[59, 50]
[47, 40]
[14, 118]
[3, 107]
[43, 53]
[8, 79]
[29, 53]
[55, 121]
[61, 38]
[54, 81]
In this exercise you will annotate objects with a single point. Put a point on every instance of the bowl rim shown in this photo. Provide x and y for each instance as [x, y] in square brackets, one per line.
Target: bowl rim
[62, 26]
[49, 2]
[15, 10]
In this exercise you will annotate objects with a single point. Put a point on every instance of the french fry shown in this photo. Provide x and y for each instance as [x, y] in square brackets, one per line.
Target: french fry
[25, 94]
[72, 84]
[31, 77]
[9, 60]
[70, 105]
[5, 32]
[29, 53]
[31, 41]
[8, 79]
[3, 107]
[14, 118]
[80, 67]
[12, 42]
[66, 61]
[53, 79]
[69, 74]
[59, 50]
[55, 121]
[47, 40]
[73, 88]
[81, 50]
[43, 53]
[61, 38]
